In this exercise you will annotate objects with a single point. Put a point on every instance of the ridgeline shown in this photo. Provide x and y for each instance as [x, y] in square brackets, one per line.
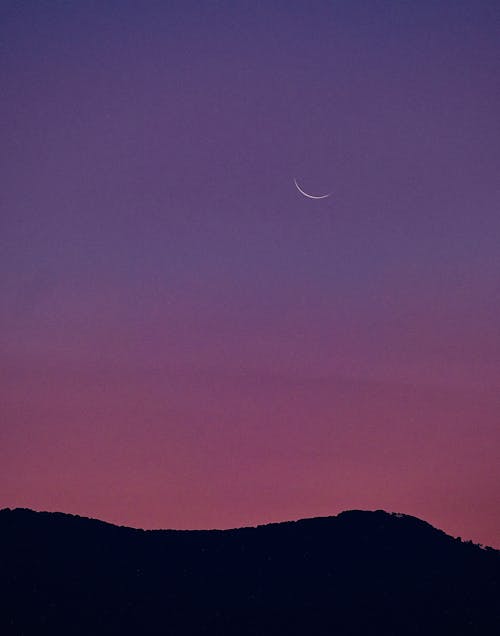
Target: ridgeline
[356, 573]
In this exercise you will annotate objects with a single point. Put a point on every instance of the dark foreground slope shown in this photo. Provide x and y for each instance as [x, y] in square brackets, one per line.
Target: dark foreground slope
[357, 573]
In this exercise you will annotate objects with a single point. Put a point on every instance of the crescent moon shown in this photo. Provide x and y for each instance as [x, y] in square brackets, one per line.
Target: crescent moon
[310, 196]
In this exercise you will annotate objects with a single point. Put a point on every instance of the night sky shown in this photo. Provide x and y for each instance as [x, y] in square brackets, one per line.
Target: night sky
[188, 342]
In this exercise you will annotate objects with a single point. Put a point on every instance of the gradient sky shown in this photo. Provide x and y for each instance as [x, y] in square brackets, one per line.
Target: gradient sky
[185, 340]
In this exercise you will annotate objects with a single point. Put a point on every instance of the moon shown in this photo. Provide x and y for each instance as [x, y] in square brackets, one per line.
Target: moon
[310, 196]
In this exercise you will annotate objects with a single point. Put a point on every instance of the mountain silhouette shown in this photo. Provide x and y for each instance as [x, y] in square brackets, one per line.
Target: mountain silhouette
[356, 573]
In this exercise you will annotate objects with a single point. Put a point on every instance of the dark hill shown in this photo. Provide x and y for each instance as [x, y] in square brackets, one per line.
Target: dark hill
[356, 573]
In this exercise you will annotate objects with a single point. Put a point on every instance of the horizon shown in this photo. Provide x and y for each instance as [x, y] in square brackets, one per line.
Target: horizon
[397, 515]
[187, 339]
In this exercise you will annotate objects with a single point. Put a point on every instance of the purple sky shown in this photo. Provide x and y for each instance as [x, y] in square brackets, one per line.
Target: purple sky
[185, 340]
